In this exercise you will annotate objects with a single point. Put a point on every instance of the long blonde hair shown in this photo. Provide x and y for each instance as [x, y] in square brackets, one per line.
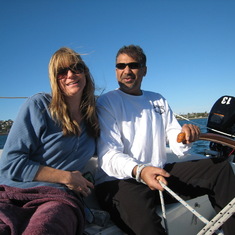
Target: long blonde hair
[58, 107]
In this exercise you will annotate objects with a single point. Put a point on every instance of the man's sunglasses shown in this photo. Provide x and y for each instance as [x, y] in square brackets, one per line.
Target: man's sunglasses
[133, 65]
[74, 68]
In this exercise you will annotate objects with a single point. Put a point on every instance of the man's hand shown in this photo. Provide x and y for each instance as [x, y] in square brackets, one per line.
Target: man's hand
[152, 175]
[192, 133]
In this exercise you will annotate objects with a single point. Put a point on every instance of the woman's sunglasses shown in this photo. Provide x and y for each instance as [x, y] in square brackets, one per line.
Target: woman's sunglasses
[133, 65]
[74, 68]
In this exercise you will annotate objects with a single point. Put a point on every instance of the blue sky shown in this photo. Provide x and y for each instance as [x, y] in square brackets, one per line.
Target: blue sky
[190, 46]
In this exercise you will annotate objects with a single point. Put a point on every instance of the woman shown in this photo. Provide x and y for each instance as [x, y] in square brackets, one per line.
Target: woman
[47, 148]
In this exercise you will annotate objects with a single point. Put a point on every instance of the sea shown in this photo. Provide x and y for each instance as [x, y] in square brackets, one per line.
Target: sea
[198, 147]
[3, 139]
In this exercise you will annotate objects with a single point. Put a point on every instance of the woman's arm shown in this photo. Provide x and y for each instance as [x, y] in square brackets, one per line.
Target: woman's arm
[73, 180]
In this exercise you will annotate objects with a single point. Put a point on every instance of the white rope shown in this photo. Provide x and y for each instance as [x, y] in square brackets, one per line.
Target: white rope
[213, 225]
[163, 210]
[203, 219]
[219, 219]
[220, 132]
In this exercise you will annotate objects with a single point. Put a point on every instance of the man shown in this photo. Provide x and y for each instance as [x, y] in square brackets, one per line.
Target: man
[135, 127]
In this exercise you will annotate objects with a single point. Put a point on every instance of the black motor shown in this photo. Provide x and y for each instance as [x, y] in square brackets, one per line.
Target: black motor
[221, 120]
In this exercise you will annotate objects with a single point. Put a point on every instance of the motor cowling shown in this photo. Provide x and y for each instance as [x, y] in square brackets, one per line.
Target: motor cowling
[221, 120]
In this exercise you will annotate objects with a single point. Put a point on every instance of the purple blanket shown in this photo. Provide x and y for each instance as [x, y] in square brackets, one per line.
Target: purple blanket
[39, 210]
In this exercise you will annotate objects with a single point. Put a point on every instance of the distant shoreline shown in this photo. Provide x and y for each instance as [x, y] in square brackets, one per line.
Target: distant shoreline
[190, 118]
[4, 133]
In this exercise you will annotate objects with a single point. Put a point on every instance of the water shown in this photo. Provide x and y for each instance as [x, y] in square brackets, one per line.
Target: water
[198, 146]
[3, 139]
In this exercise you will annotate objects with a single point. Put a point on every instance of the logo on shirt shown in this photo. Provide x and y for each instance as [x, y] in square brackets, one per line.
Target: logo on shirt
[158, 109]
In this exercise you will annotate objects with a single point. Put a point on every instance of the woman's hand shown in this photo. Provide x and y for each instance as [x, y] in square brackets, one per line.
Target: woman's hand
[79, 184]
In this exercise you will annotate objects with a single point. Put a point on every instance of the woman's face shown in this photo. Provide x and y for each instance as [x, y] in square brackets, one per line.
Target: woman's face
[72, 80]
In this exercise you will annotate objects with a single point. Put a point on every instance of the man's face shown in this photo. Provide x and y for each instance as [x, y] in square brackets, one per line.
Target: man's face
[129, 79]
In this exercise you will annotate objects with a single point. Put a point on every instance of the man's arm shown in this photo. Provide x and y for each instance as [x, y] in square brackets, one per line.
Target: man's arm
[151, 175]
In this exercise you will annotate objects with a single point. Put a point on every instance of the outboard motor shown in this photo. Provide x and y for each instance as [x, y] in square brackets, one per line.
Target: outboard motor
[221, 120]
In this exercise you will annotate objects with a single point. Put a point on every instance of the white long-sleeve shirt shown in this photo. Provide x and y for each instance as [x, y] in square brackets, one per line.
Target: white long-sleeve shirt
[134, 130]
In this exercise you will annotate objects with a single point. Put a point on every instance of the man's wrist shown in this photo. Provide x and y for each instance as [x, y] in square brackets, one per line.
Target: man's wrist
[139, 168]
[134, 171]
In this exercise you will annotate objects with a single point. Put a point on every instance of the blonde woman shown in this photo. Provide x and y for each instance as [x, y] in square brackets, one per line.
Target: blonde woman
[47, 148]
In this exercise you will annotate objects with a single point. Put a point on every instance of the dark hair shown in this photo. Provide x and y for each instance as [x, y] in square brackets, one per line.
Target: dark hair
[136, 52]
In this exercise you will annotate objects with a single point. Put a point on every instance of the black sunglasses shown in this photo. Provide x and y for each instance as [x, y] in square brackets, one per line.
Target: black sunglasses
[74, 68]
[132, 65]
